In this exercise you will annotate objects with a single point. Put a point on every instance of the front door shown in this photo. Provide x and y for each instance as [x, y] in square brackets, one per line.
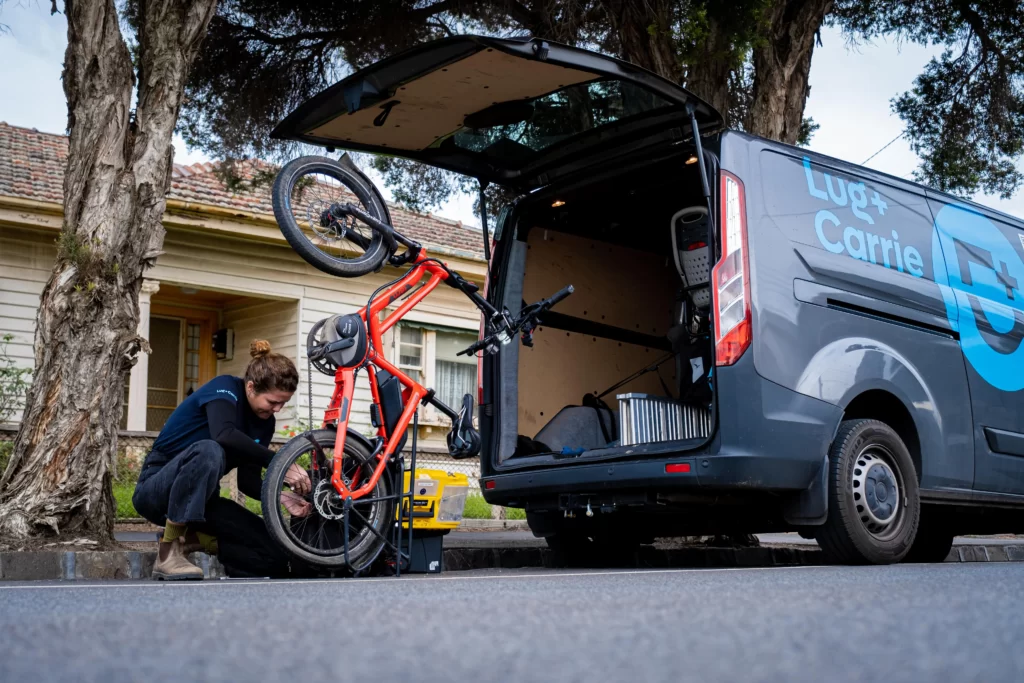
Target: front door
[981, 270]
[180, 362]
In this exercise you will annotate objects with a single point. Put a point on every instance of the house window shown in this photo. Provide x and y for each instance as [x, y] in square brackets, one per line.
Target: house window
[429, 356]
[410, 352]
[455, 375]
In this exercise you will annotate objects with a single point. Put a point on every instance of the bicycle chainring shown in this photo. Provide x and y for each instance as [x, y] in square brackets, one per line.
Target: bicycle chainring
[323, 365]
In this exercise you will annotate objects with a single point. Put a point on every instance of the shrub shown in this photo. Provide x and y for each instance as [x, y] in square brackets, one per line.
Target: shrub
[126, 469]
[123, 500]
[515, 513]
[6, 448]
[13, 382]
[476, 508]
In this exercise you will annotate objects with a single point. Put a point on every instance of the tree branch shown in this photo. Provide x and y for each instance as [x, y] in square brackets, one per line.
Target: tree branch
[521, 14]
[977, 25]
[338, 35]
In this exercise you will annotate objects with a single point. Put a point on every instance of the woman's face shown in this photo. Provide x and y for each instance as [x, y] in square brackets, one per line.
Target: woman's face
[267, 403]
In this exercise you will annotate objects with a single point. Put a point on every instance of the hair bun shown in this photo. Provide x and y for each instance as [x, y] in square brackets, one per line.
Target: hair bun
[259, 348]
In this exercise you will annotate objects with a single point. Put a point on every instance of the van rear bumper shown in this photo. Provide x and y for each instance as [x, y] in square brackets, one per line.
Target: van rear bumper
[768, 438]
[706, 471]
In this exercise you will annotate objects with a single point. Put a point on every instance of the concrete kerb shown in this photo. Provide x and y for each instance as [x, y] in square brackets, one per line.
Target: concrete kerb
[123, 564]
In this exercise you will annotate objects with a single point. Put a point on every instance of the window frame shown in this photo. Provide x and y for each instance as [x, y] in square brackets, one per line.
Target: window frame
[429, 415]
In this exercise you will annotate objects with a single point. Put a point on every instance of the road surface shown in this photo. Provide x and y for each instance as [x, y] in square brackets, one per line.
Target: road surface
[954, 621]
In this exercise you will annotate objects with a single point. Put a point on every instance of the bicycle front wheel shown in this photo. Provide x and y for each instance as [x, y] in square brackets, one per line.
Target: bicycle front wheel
[304, 192]
[313, 528]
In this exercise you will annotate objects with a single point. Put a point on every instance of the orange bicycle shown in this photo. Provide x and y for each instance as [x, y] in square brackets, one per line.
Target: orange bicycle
[334, 218]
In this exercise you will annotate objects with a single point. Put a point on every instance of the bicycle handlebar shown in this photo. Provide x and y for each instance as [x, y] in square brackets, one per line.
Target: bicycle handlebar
[557, 296]
[525, 321]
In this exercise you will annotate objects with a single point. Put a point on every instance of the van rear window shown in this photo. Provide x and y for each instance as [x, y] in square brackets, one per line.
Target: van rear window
[560, 115]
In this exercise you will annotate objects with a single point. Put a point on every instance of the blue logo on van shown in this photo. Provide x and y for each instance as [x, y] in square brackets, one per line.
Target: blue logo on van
[873, 244]
[981, 276]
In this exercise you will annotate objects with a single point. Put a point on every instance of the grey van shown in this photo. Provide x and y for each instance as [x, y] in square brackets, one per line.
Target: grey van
[761, 338]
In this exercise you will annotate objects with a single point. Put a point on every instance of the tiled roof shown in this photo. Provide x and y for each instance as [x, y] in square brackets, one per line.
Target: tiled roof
[32, 167]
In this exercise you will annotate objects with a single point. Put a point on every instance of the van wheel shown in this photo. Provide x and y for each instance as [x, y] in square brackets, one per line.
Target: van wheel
[873, 499]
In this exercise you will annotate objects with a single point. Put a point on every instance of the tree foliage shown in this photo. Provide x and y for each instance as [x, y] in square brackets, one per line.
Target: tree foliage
[748, 58]
[965, 114]
[264, 57]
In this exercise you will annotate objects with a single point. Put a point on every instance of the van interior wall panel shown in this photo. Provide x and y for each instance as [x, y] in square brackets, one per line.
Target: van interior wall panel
[614, 285]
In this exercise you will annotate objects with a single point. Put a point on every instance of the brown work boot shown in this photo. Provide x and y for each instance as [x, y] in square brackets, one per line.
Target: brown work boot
[172, 563]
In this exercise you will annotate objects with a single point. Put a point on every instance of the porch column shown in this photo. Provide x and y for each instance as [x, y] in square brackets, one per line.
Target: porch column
[139, 380]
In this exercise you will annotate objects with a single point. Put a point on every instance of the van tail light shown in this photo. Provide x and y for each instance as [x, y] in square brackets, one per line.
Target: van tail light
[731, 276]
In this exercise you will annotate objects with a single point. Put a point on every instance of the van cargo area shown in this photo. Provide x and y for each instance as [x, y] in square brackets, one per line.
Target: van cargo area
[626, 360]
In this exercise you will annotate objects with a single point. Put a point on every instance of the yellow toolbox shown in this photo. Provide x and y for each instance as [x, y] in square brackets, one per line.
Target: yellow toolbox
[439, 500]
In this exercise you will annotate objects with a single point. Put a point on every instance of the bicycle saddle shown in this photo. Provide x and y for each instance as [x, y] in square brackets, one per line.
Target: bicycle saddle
[463, 440]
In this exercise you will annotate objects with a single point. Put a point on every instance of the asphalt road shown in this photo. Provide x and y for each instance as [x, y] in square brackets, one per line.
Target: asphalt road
[947, 622]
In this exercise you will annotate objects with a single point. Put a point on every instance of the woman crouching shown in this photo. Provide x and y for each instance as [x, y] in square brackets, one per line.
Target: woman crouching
[226, 424]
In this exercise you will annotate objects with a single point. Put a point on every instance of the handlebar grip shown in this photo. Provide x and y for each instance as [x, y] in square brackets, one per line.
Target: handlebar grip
[559, 295]
[474, 347]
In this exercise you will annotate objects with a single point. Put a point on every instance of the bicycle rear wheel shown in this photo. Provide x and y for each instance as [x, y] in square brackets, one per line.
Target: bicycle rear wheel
[304, 192]
[318, 538]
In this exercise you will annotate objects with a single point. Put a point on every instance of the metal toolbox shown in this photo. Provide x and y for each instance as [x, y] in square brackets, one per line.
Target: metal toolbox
[645, 418]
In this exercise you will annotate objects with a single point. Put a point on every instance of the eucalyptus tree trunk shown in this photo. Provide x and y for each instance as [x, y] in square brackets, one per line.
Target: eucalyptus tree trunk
[118, 172]
[782, 65]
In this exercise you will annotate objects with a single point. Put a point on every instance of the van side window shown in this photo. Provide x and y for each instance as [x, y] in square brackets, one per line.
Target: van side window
[842, 213]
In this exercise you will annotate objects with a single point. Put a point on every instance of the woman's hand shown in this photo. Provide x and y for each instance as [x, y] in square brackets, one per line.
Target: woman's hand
[297, 480]
[295, 505]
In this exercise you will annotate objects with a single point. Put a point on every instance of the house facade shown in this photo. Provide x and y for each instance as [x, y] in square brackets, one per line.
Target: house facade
[226, 271]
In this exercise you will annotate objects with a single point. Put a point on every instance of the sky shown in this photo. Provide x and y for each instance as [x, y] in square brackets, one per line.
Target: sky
[851, 89]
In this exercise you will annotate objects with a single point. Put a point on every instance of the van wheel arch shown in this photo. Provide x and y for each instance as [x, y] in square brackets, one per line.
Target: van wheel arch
[886, 407]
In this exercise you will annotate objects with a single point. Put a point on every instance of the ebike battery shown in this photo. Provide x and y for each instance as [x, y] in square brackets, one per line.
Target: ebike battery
[389, 391]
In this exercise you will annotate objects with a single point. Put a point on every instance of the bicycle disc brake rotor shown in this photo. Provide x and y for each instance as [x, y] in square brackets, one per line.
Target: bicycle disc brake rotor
[335, 230]
[327, 501]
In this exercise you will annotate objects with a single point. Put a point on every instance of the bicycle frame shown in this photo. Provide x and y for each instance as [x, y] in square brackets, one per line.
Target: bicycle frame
[413, 393]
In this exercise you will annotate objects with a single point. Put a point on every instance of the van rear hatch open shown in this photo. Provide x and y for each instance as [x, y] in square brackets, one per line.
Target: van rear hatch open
[520, 113]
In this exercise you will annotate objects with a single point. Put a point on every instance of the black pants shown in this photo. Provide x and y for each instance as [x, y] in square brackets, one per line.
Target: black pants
[186, 490]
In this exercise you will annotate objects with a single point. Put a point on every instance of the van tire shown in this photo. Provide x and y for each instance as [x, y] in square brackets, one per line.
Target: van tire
[864, 526]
